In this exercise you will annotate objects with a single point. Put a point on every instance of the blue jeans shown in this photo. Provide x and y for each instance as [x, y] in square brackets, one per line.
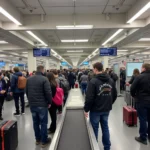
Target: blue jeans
[40, 121]
[102, 118]
[83, 87]
[144, 117]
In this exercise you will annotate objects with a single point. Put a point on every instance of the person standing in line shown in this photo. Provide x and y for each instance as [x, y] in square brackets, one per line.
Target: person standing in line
[17, 93]
[84, 82]
[101, 94]
[140, 89]
[71, 79]
[136, 73]
[3, 89]
[39, 94]
[54, 107]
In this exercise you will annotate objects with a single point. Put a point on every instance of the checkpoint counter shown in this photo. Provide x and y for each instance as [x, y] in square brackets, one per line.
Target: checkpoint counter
[74, 131]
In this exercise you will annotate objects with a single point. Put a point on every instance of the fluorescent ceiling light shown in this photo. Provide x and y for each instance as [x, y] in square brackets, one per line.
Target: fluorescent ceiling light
[6, 14]
[72, 41]
[77, 51]
[144, 39]
[122, 50]
[38, 39]
[115, 34]
[138, 14]
[74, 27]
[3, 42]
[24, 52]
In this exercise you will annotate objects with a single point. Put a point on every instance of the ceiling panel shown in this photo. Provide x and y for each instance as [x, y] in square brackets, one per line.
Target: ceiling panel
[91, 2]
[111, 9]
[89, 10]
[38, 10]
[29, 3]
[58, 10]
[126, 2]
[17, 3]
[3, 18]
[145, 15]
[56, 2]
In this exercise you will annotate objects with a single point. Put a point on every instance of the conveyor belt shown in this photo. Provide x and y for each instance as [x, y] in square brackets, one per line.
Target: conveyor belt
[74, 134]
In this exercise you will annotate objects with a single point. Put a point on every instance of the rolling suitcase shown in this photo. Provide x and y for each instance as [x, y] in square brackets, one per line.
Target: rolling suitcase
[130, 115]
[76, 85]
[8, 135]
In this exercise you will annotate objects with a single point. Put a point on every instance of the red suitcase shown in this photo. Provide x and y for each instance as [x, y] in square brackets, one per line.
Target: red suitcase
[130, 116]
[76, 85]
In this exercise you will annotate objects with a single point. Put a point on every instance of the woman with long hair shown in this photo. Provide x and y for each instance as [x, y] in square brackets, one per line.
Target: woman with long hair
[54, 107]
[136, 73]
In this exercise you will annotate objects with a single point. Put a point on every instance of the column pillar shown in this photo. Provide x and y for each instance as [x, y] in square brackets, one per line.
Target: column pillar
[58, 65]
[47, 64]
[7, 66]
[105, 62]
[31, 61]
[91, 65]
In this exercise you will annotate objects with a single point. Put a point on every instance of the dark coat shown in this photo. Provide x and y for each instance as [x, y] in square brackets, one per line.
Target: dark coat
[38, 91]
[140, 88]
[4, 86]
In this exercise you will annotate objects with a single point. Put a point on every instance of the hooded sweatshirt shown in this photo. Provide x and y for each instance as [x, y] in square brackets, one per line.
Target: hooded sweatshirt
[101, 94]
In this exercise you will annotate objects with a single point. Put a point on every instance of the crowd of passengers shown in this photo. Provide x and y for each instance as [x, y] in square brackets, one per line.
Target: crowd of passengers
[47, 91]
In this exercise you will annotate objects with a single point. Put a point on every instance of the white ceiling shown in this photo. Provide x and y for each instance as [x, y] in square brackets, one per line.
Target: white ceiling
[64, 8]
[57, 7]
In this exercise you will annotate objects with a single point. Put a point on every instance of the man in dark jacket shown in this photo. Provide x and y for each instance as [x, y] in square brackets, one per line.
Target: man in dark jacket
[100, 96]
[17, 93]
[3, 88]
[39, 94]
[71, 79]
[141, 90]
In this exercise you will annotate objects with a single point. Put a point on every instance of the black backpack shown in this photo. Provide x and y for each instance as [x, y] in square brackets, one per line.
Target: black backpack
[114, 77]
[64, 84]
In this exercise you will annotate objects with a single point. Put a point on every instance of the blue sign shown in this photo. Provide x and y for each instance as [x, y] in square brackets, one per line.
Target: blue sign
[2, 64]
[41, 52]
[112, 51]
[64, 63]
[86, 63]
[19, 65]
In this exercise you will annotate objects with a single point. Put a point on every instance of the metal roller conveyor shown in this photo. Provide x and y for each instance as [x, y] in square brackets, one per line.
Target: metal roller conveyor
[74, 132]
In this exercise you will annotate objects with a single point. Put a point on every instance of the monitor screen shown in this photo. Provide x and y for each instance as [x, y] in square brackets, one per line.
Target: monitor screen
[133, 65]
[112, 51]
[64, 63]
[41, 52]
[2, 64]
[86, 63]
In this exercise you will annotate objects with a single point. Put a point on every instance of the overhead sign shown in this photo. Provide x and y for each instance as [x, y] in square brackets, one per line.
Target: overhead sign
[64, 63]
[2, 64]
[86, 63]
[111, 51]
[19, 65]
[41, 52]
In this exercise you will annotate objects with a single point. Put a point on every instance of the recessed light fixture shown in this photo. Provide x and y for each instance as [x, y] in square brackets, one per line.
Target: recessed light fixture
[144, 39]
[75, 51]
[72, 27]
[138, 14]
[115, 34]
[37, 38]
[24, 52]
[6, 14]
[74, 41]
[3, 42]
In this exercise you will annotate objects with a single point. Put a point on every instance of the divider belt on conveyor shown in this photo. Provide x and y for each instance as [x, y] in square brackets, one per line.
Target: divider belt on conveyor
[74, 134]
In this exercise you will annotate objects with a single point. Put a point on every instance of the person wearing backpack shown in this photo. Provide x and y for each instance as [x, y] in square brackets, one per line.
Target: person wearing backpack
[18, 85]
[57, 100]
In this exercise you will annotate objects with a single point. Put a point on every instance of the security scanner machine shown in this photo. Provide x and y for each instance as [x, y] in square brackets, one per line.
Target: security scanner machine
[74, 131]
